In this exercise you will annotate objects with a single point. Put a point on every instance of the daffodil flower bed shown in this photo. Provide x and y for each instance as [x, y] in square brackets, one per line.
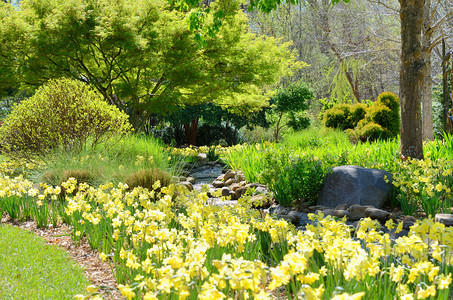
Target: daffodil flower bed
[180, 247]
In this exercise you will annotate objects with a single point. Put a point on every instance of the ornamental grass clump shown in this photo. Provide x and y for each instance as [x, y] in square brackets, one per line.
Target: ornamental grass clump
[64, 114]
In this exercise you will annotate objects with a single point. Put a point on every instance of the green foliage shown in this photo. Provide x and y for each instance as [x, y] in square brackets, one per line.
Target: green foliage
[392, 120]
[367, 121]
[315, 137]
[339, 117]
[142, 56]
[289, 102]
[64, 114]
[292, 98]
[106, 163]
[294, 179]
[371, 131]
[31, 269]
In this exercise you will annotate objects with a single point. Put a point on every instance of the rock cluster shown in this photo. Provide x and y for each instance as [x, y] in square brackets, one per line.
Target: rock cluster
[233, 184]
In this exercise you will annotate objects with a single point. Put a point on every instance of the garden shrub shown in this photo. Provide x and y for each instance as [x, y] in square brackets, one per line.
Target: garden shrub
[63, 113]
[147, 178]
[345, 116]
[358, 112]
[382, 119]
[392, 120]
[371, 131]
[338, 117]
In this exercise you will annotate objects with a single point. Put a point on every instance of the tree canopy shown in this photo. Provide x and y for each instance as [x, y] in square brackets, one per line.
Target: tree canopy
[141, 55]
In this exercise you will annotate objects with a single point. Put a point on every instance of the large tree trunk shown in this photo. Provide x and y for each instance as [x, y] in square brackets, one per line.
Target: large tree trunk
[413, 72]
[427, 96]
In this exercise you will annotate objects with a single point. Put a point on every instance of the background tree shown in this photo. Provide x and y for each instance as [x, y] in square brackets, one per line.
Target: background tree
[288, 102]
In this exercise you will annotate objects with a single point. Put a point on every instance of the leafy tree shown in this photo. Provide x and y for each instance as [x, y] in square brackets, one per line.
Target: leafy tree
[141, 55]
[287, 102]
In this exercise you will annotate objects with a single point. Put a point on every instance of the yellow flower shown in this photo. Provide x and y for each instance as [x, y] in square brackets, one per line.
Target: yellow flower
[126, 291]
[430, 291]
[92, 289]
[103, 256]
[443, 282]
[346, 296]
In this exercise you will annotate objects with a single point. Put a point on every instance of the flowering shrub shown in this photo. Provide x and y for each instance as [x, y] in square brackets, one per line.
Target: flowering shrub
[63, 113]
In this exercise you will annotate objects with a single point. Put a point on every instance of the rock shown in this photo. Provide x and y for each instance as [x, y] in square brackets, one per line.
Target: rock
[234, 186]
[229, 174]
[225, 192]
[260, 190]
[233, 195]
[187, 184]
[277, 209]
[221, 177]
[303, 219]
[316, 207]
[446, 219]
[175, 179]
[230, 181]
[239, 192]
[243, 183]
[252, 185]
[240, 176]
[218, 184]
[356, 212]
[190, 179]
[408, 221]
[340, 213]
[343, 206]
[356, 185]
[262, 200]
[294, 219]
[376, 213]
[328, 212]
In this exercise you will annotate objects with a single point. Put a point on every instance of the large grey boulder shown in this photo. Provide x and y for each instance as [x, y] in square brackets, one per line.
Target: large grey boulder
[356, 185]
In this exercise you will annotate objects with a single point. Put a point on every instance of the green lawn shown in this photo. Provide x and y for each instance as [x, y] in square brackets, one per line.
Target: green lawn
[30, 269]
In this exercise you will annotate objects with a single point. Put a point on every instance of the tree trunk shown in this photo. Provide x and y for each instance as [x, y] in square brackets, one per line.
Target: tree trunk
[427, 96]
[412, 74]
[190, 130]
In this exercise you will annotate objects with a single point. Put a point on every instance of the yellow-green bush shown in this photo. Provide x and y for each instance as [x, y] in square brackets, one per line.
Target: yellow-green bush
[63, 113]
[339, 117]
[392, 120]
[371, 131]
[381, 119]
[345, 116]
